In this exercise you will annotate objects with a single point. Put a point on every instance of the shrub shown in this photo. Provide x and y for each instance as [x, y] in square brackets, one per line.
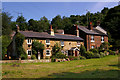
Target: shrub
[88, 54]
[82, 50]
[23, 56]
[111, 52]
[102, 54]
[52, 59]
[105, 52]
[33, 57]
[96, 55]
[73, 58]
[94, 50]
[60, 55]
[82, 57]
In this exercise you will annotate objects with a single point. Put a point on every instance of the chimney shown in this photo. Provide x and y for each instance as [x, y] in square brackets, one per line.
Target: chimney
[98, 23]
[51, 32]
[90, 27]
[77, 31]
[18, 29]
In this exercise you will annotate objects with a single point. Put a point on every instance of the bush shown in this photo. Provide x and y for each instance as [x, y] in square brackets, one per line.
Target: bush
[33, 57]
[105, 52]
[111, 52]
[82, 50]
[73, 58]
[82, 57]
[23, 56]
[94, 50]
[89, 54]
[96, 55]
[60, 55]
[102, 54]
[52, 59]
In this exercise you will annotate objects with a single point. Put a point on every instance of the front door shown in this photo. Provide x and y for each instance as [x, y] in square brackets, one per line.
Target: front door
[75, 53]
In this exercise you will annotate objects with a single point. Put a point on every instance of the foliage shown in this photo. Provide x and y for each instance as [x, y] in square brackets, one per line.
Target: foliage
[104, 46]
[56, 49]
[6, 20]
[72, 58]
[33, 57]
[5, 42]
[37, 47]
[96, 55]
[95, 51]
[82, 57]
[111, 52]
[60, 55]
[82, 50]
[89, 54]
[111, 23]
[102, 54]
[19, 39]
[21, 21]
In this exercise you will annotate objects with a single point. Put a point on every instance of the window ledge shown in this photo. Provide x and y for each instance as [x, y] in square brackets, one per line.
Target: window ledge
[92, 41]
[102, 41]
[47, 43]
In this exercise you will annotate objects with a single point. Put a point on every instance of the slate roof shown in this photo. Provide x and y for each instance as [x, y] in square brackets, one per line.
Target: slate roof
[45, 35]
[94, 31]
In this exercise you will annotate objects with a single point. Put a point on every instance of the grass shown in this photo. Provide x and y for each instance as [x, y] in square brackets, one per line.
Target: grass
[106, 67]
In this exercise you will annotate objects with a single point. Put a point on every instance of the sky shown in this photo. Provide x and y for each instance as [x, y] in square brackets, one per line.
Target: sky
[36, 10]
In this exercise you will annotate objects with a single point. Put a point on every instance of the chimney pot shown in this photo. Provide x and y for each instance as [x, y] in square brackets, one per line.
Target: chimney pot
[90, 26]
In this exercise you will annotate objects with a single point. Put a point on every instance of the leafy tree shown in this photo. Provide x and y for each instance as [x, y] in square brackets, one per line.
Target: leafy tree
[21, 21]
[82, 50]
[6, 20]
[19, 39]
[111, 23]
[5, 42]
[57, 22]
[37, 47]
[33, 25]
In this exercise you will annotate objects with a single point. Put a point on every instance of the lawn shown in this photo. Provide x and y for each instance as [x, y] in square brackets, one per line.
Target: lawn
[106, 67]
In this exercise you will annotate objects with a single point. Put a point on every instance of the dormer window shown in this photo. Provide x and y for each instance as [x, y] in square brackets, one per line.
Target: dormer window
[29, 41]
[47, 42]
[92, 38]
[62, 43]
[102, 39]
[78, 43]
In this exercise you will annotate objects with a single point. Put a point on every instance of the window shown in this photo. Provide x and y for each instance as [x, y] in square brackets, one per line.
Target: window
[92, 47]
[102, 39]
[29, 52]
[29, 41]
[92, 38]
[62, 43]
[47, 52]
[47, 42]
[28, 45]
[78, 43]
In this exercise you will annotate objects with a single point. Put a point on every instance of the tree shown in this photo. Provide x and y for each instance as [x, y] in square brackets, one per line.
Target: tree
[5, 42]
[19, 39]
[37, 47]
[21, 21]
[111, 23]
[57, 22]
[82, 50]
[6, 20]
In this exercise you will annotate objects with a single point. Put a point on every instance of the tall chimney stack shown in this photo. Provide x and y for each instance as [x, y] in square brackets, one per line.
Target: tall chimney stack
[90, 27]
[18, 28]
[77, 31]
[51, 31]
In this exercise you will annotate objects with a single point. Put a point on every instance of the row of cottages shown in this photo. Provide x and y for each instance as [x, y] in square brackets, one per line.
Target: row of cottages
[93, 36]
[70, 43]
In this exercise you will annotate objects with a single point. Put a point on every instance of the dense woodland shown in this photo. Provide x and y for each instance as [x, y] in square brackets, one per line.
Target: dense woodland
[109, 18]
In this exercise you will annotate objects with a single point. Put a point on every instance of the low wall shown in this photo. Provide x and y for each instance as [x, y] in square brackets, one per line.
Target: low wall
[25, 61]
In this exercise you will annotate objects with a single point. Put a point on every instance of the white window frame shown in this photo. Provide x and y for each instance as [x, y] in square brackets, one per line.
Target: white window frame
[29, 41]
[78, 43]
[46, 52]
[102, 39]
[28, 51]
[92, 47]
[47, 43]
[92, 38]
[62, 43]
